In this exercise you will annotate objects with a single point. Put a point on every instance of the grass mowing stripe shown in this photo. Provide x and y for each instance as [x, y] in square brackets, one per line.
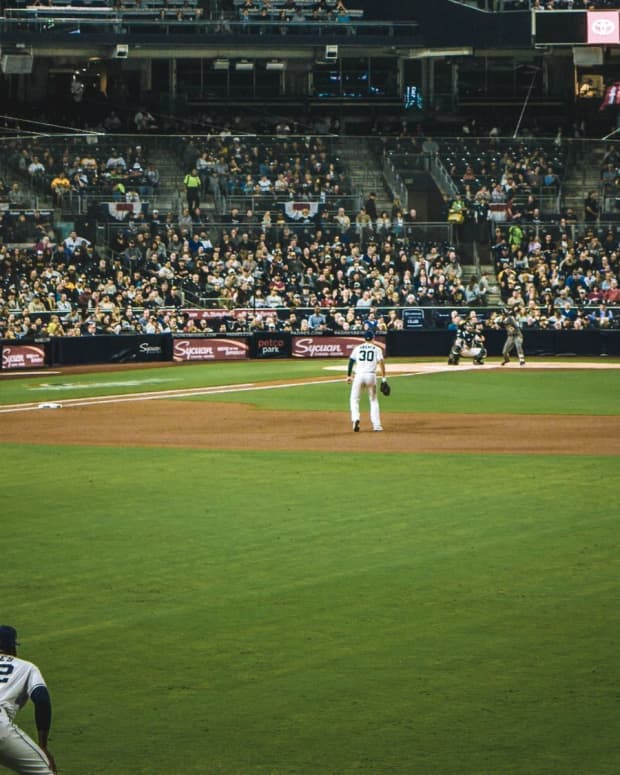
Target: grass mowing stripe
[55, 387]
[490, 392]
[296, 613]
[493, 391]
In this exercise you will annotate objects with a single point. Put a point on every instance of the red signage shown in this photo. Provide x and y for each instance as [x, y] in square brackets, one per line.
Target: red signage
[22, 356]
[207, 314]
[327, 346]
[603, 27]
[209, 349]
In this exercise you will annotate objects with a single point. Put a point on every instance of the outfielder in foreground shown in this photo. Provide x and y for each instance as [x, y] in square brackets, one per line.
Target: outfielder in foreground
[367, 359]
[20, 680]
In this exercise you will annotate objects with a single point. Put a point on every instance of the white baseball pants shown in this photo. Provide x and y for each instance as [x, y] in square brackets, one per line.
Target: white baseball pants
[19, 752]
[369, 382]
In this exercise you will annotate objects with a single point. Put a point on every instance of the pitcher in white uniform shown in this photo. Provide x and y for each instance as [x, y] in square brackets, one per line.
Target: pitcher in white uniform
[19, 681]
[367, 360]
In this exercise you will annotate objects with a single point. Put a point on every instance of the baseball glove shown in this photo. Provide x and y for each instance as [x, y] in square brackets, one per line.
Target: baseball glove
[385, 388]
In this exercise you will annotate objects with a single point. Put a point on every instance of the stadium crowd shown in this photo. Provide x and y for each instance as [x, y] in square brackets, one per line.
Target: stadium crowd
[320, 274]
[91, 167]
[293, 268]
[297, 254]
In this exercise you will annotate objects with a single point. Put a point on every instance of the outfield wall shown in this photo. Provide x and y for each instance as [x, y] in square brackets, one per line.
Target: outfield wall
[90, 350]
[436, 343]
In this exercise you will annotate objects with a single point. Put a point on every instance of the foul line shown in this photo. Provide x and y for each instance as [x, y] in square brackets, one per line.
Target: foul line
[154, 395]
[9, 374]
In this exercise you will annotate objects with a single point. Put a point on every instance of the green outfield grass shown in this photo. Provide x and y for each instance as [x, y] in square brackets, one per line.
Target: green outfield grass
[465, 392]
[227, 612]
[231, 613]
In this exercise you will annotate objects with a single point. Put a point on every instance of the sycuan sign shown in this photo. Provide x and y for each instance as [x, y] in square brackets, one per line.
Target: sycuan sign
[22, 356]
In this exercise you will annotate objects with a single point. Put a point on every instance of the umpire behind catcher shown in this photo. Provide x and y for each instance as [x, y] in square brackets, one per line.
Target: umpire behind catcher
[20, 680]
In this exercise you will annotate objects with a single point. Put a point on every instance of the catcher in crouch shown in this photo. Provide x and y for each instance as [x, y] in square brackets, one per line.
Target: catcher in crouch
[468, 342]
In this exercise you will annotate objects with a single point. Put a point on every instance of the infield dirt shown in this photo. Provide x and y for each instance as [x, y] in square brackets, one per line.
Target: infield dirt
[175, 423]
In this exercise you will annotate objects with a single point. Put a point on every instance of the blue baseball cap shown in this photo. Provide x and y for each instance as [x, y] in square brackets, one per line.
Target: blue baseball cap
[8, 638]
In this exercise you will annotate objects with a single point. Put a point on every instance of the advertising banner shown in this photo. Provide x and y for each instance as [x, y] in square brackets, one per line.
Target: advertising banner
[603, 28]
[208, 314]
[208, 349]
[413, 317]
[22, 356]
[112, 349]
[328, 346]
[276, 344]
[150, 348]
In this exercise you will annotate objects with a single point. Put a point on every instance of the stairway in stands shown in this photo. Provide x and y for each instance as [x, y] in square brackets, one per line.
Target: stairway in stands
[363, 168]
[170, 195]
[583, 175]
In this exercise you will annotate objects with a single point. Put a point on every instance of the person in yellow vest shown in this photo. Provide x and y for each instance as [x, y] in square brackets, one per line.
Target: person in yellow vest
[193, 186]
[60, 185]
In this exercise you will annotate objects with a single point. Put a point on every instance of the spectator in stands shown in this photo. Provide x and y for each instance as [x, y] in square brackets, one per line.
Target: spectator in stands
[472, 291]
[609, 176]
[612, 293]
[398, 225]
[115, 161]
[383, 225]
[17, 196]
[363, 225]
[343, 222]
[370, 205]
[317, 320]
[602, 317]
[591, 207]
[185, 222]
[36, 168]
[458, 208]
[144, 121]
[550, 178]
[60, 187]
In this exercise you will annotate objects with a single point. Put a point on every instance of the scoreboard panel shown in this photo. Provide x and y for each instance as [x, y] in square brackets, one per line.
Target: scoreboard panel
[571, 28]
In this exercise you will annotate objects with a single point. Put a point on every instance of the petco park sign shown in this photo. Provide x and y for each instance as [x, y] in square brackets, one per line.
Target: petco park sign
[22, 356]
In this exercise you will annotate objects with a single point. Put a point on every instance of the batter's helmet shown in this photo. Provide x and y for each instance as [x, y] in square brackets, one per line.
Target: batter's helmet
[8, 639]
[369, 334]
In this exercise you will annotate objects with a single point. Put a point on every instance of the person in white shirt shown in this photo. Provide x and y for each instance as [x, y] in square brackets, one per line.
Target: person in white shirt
[367, 360]
[19, 681]
[73, 241]
[36, 168]
[115, 160]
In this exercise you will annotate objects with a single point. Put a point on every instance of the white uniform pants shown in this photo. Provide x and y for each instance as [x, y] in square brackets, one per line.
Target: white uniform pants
[19, 752]
[368, 381]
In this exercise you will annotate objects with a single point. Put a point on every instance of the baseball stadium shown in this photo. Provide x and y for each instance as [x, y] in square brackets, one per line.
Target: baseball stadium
[215, 216]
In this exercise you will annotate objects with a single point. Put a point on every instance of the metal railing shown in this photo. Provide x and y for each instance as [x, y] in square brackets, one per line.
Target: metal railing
[49, 24]
[495, 6]
[174, 149]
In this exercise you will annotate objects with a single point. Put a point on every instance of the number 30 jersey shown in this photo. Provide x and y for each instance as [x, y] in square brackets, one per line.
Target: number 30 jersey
[366, 357]
[18, 679]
